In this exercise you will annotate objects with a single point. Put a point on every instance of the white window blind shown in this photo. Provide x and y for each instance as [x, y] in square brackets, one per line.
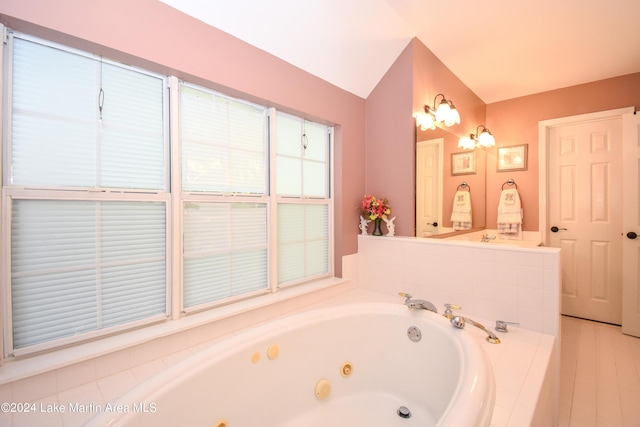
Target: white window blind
[79, 266]
[223, 151]
[303, 241]
[84, 263]
[61, 138]
[302, 186]
[302, 150]
[225, 250]
[223, 143]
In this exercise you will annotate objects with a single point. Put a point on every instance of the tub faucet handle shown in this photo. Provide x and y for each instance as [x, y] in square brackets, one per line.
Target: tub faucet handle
[460, 322]
[501, 325]
[405, 295]
[448, 312]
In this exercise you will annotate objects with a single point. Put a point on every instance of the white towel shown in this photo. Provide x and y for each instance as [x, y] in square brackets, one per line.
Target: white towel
[510, 214]
[461, 214]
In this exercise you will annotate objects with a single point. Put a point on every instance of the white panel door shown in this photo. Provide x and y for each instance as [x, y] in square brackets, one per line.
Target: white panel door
[428, 187]
[585, 196]
[630, 225]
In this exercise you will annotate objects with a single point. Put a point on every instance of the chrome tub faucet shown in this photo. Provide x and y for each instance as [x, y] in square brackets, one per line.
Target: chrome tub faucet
[417, 303]
[460, 322]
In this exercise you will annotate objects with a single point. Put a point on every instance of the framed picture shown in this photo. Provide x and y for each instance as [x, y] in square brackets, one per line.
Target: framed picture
[513, 158]
[463, 163]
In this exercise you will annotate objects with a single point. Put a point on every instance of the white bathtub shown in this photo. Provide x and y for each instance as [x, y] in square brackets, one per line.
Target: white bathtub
[350, 365]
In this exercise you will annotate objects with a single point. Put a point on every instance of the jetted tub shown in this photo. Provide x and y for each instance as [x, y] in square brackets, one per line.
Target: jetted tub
[348, 365]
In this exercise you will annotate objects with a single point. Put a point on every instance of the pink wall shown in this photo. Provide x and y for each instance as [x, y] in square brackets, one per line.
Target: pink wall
[515, 121]
[390, 159]
[415, 78]
[391, 147]
[150, 34]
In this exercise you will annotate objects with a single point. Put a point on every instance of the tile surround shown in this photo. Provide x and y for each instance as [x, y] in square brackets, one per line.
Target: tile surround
[495, 282]
[434, 272]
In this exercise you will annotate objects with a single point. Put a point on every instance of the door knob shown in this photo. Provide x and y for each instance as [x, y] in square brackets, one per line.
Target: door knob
[632, 235]
[435, 224]
[556, 229]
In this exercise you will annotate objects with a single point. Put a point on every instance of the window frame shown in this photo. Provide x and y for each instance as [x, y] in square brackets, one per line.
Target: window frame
[12, 192]
[301, 200]
[171, 195]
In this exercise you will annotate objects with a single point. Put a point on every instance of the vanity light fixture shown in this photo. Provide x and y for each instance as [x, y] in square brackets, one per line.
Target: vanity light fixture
[483, 139]
[445, 113]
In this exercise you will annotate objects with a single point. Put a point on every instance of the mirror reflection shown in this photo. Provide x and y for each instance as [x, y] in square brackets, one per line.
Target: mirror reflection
[439, 175]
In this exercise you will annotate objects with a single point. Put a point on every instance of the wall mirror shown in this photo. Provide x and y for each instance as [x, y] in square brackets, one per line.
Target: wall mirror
[436, 185]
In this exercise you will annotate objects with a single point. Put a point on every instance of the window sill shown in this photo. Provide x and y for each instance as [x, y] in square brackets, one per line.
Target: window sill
[27, 366]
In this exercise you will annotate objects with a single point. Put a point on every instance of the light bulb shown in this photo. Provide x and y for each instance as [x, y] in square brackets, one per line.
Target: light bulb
[466, 143]
[442, 112]
[452, 118]
[486, 139]
[425, 121]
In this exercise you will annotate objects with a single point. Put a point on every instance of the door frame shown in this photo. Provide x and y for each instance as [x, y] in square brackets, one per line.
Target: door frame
[439, 144]
[544, 126]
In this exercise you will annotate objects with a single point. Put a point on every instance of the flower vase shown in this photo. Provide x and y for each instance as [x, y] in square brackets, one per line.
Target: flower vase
[377, 230]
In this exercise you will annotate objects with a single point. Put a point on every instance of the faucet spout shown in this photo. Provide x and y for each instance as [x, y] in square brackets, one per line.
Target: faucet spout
[459, 322]
[418, 303]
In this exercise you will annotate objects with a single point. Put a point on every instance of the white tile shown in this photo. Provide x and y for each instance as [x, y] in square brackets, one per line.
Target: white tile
[145, 352]
[506, 294]
[35, 387]
[177, 357]
[531, 259]
[506, 257]
[552, 260]
[45, 413]
[114, 386]
[6, 393]
[507, 393]
[86, 396]
[551, 280]
[521, 416]
[507, 273]
[480, 270]
[149, 369]
[500, 417]
[112, 363]
[484, 289]
[484, 308]
[530, 298]
[506, 312]
[530, 319]
[483, 254]
[550, 302]
[531, 277]
[76, 374]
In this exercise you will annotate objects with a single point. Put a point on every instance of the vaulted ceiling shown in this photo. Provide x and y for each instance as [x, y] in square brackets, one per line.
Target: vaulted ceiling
[499, 49]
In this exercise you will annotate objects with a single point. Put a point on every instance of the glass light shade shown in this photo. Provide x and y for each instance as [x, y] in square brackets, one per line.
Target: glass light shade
[442, 112]
[466, 143]
[486, 139]
[425, 122]
[453, 117]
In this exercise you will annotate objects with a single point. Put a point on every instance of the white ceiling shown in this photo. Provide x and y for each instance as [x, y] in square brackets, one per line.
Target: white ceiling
[499, 49]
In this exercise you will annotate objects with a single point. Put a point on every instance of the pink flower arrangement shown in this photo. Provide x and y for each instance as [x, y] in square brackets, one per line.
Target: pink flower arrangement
[374, 208]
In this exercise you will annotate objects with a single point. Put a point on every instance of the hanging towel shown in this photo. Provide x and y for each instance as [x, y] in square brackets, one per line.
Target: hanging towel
[510, 214]
[461, 214]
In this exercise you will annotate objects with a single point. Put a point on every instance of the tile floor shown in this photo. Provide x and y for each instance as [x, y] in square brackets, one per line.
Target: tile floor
[599, 375]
